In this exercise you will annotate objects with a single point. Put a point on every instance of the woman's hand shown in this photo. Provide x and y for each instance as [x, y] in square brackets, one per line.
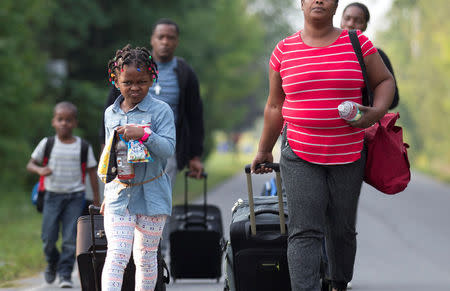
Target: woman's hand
[262, 157]
[130, 132]
[273, 123]
[370, 115]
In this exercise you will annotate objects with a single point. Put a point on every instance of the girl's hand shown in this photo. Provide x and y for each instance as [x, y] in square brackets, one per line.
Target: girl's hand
[262, 157]
[96, 201]
[130, 132]
[370, 115]
[102, 208]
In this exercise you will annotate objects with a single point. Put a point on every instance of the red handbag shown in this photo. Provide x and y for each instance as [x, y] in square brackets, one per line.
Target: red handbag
[387, 165]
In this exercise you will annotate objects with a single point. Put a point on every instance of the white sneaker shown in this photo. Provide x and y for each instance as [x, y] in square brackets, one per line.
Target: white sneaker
[349, 285]
[65, 283]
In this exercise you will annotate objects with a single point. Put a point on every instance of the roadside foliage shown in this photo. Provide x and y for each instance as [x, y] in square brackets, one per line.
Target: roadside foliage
[418, 45]
[57, 50]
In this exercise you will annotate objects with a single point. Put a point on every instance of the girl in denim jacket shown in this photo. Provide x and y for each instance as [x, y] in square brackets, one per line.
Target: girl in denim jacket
[135, 210]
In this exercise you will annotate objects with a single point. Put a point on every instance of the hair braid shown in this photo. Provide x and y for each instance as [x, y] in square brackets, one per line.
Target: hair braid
[139, 56]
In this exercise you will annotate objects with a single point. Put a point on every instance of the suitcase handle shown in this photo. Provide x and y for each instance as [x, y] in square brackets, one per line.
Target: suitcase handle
[191, 215]
[93, 210]
[201, 224]
[186, 176]
[204, 174]
[251, 204]
[273, 166]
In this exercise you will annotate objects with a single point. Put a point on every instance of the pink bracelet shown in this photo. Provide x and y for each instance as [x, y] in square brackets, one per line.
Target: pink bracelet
[147, 133]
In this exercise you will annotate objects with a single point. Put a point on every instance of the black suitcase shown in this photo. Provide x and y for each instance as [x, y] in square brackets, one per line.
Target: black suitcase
[256, 256]
[196, 239]
[91, 254]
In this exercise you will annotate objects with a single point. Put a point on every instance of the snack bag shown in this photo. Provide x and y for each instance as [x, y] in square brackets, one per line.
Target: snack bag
[138, 152]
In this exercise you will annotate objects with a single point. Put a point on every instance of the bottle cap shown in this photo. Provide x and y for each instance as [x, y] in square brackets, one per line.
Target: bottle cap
[344, 108]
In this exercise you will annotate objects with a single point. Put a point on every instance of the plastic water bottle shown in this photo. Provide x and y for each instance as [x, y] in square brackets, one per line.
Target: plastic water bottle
[125, 170]
[349, 111]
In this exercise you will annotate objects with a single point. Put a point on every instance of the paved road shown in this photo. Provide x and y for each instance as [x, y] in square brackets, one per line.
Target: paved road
[403, 240]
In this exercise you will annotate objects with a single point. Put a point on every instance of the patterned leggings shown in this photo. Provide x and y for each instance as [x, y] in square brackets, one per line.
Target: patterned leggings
[120, 231]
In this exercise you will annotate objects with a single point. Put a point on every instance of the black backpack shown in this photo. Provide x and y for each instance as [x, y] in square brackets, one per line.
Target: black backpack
[47, 150]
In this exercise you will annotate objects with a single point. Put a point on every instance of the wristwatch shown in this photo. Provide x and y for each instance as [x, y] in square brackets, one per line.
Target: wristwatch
[147, 132]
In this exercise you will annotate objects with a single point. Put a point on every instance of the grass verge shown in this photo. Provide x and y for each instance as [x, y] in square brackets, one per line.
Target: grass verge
[20, 242]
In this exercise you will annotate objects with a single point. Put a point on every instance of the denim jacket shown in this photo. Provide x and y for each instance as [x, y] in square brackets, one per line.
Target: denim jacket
[154, 197]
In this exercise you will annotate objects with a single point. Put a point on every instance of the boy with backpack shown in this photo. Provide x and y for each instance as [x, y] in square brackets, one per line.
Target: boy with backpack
[64, 171]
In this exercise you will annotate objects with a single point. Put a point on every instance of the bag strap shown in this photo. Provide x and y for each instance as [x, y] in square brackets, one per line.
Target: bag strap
[357, 48]
[83, 158]
[47, 150]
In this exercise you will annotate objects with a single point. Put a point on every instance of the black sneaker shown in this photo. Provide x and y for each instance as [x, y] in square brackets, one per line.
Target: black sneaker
[50, 273]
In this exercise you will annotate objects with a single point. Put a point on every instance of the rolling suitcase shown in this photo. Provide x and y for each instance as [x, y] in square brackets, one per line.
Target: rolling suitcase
[270, 189]
[196, 239]
[91, 254]
[256, 256]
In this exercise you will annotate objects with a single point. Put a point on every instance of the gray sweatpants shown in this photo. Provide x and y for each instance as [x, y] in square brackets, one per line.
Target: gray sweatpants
[321, 200]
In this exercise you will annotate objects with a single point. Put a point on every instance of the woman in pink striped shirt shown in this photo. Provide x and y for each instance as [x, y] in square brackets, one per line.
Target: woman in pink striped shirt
[322, 156]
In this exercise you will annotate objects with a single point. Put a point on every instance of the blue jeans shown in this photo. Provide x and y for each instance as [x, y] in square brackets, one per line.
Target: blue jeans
[61, 209]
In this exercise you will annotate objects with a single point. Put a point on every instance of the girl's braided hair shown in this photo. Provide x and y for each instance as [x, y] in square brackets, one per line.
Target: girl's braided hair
[139, 56]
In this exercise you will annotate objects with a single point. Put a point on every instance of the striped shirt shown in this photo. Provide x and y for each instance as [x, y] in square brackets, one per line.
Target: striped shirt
[316, 80]
[64, 161]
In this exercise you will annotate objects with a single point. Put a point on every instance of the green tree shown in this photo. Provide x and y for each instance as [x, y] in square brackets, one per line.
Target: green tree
[22, 84]
[227, 42]
[223, 40]
[418, 43]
